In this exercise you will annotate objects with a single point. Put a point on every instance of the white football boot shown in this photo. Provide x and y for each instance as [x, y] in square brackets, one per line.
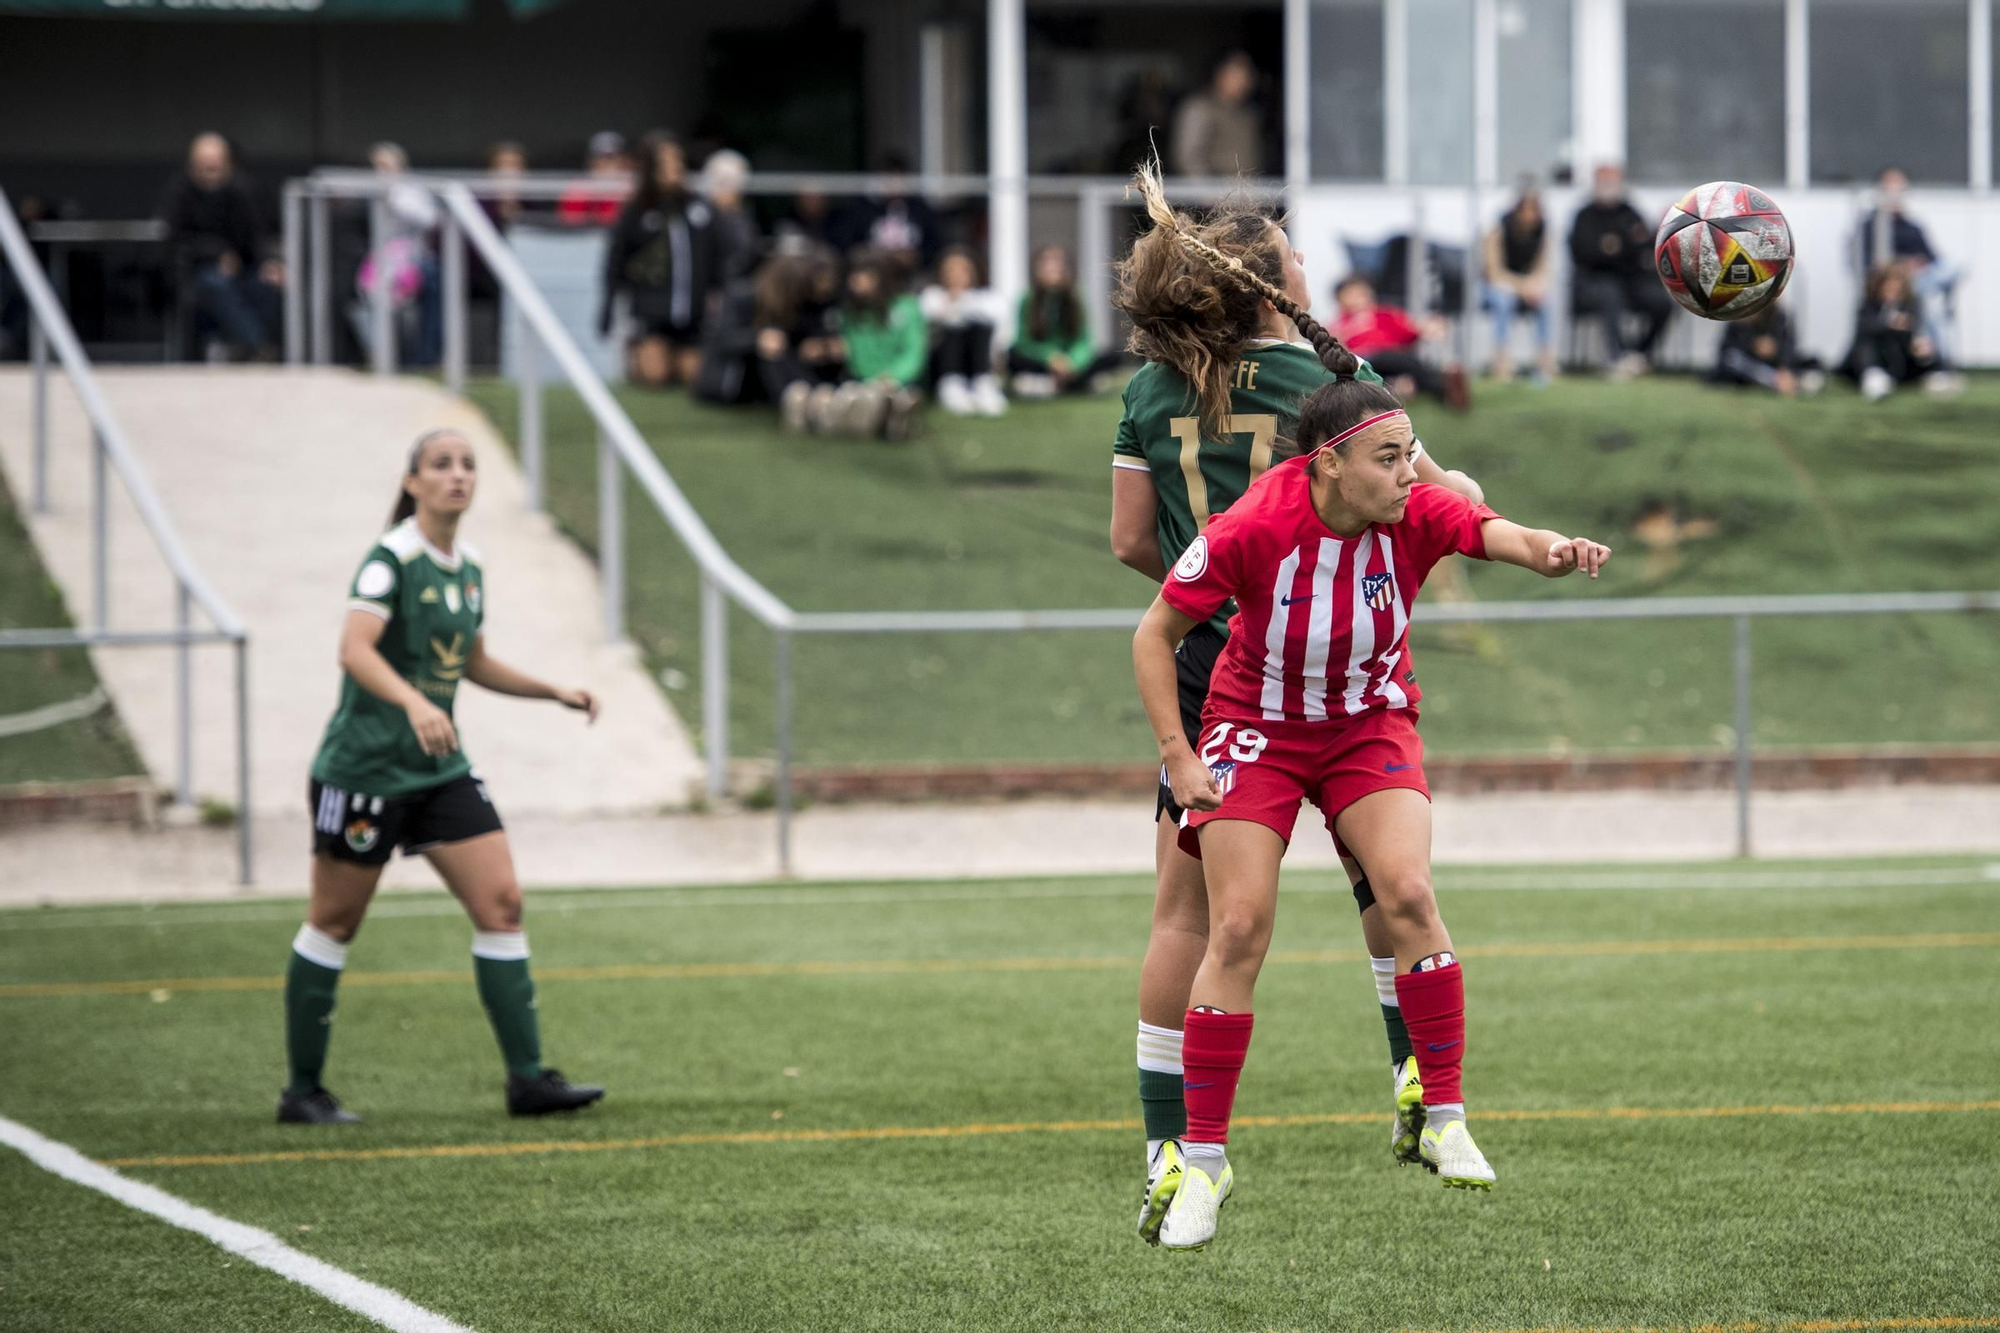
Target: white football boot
[1190, 1219]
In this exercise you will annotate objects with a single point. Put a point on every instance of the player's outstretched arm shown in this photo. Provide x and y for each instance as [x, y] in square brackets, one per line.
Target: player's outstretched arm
[1428, 470]
[1549, 554]
[1160, 632]
[489, 672]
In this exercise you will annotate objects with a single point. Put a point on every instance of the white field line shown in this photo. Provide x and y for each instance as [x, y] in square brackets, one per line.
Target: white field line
[261, 1248]
[54, 715]
[562, 902]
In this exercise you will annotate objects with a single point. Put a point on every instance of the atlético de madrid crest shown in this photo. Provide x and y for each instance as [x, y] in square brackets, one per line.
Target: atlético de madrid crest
[1377, 590]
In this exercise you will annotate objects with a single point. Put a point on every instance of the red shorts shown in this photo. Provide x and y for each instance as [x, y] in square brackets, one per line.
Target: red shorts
[1266, 768]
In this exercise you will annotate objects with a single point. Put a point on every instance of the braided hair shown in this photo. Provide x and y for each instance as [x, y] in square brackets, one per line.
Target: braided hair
[1181, 315]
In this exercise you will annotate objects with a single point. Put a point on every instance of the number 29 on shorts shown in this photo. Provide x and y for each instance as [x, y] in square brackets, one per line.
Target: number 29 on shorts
[1243, 744]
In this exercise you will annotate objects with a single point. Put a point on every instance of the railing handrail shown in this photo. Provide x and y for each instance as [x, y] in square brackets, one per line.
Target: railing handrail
[55, 323]
[665, 494]
[361, 182]
[1435, 613]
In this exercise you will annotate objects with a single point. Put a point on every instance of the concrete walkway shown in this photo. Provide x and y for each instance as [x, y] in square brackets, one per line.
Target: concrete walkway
[277, 480]
[83, 863]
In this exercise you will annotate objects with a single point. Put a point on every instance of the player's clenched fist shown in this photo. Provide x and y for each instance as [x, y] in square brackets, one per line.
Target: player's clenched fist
[1574, 553]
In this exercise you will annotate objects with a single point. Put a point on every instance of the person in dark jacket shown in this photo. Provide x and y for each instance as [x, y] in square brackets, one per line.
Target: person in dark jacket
[1763, 351]
[1611, 247]
[217, 239]
[1888, 234]
[661, 255]
[1890, 346]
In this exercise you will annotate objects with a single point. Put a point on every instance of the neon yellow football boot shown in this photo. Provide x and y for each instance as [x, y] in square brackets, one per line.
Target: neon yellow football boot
[1190, 1220]
[1454, 1158]
[1163, 1181]
[1409, 1121]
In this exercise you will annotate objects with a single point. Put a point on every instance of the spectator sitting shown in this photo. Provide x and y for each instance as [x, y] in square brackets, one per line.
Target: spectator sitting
[662, 256]
[1889, 345]
[1611, 247]
[1053, 352]
[217, 238]
[897, 225]
[812, 219]
[1219, 132]
[1517, 281]
[606, 164]
[738, 243]
[886, 344]
[1763, 350]
[406, 252]
[1889, 235]
[798, 343]
[1387, 338]
[962, 316]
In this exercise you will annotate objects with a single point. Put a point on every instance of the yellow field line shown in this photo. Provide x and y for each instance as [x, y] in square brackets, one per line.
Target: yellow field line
[897, 966]
[987, 1130]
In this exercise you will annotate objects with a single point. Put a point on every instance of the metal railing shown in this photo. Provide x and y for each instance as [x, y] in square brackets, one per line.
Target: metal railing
[620, 447]
[49, 326]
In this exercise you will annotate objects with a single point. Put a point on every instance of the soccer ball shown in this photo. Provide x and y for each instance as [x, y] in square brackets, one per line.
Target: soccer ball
[1724, 251]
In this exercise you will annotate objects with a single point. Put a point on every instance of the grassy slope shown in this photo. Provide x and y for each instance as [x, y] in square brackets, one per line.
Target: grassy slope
[1823, 496]
[1657, 1221]
[92, 747]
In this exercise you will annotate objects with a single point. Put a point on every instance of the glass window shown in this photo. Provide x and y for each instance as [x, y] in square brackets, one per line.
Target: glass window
[1534, 136]
[1889, 87]
[1440, 83]
[1705, 90]
[1346, 64]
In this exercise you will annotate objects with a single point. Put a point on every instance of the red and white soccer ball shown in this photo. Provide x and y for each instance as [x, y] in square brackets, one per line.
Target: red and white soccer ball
[1724, 251]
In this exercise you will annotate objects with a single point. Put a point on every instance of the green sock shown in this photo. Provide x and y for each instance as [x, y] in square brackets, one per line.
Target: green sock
[310, 982]
[1399, 1036]
[500, 964]
[1162, 1104]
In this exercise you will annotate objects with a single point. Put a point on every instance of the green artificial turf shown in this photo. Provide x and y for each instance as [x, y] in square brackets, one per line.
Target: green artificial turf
[1869, 1215]
[1753, 494]
[30, 678]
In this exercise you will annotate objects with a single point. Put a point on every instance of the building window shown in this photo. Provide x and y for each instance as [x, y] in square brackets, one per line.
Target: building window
[1440, 82]
[1346, 65]
[1534, 133]
[1889, 88]
[1705, 90]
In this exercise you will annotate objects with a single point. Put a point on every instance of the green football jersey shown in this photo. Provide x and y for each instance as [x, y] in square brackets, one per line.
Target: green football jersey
[434, 604]
[1197, 479]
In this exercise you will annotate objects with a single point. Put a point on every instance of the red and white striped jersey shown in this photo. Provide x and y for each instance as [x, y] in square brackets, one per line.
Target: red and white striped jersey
[1322, 623]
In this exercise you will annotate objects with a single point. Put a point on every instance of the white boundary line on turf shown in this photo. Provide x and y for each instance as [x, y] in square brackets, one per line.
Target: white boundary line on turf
[560, 902]
[261, 1248]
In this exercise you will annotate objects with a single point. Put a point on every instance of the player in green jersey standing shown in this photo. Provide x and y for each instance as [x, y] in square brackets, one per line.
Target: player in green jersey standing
[390, 773]
[1217, 305]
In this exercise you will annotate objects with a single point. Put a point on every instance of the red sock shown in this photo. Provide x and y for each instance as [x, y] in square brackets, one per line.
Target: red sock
[1434, 1011]
[1212, 1050]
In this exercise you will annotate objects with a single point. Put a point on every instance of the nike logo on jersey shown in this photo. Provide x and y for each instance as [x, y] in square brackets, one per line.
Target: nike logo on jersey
[1442, 1046]
[1396, 768]
[1306, 597]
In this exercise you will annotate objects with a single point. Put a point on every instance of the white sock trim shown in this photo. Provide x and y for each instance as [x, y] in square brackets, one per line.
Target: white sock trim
[316, 946]
[500, 946]
[1385, 981]
[1159, 1049]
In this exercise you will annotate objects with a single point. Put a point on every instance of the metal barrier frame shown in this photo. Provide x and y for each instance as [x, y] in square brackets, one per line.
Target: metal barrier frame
[49, 325]
[621, 447]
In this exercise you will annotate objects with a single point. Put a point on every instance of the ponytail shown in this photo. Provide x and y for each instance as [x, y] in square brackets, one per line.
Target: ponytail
[1186, 336]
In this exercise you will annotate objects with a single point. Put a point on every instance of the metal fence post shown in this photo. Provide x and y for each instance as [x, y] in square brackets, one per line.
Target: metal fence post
[295, 311]
[38, 352]
[243, 849]
[1742, 656]
[611, 536]
[100, 534]
[784, 726]
[183, 702]
[715, 684]
[319, 279]
[453, 241]
[381, 307]
[531, 416]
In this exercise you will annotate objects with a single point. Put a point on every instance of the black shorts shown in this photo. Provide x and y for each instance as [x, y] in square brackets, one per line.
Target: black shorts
[1194, 663]
[366, 830]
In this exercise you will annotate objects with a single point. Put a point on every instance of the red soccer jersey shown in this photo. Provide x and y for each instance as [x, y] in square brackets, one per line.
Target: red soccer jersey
[1322, 623]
